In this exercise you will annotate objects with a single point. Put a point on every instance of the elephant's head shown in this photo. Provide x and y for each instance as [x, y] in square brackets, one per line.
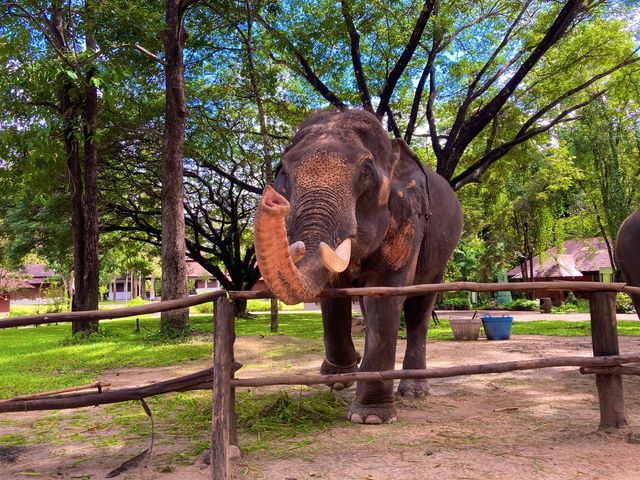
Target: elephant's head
[329, 207]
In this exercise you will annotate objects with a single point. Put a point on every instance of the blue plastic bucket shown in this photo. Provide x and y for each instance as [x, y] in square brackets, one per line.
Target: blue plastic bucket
[497, 328]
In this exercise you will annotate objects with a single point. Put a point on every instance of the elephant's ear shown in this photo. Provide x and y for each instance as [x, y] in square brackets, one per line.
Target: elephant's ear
[409, 206]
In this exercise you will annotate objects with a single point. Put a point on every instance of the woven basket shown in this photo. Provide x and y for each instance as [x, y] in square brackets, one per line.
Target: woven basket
[465, 328]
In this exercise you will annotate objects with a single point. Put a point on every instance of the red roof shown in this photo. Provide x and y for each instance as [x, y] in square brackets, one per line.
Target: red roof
[195, 270]
[35, 273]
[577, 257]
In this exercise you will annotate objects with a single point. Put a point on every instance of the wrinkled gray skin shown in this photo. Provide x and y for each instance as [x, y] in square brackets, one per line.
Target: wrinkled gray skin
[333, 174]
[627, 250]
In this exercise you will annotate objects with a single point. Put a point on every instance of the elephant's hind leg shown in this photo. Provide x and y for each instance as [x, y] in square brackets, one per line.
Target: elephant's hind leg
[340, 353]
[417, 312]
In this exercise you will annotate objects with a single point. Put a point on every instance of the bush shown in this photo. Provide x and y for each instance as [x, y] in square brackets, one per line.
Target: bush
[523, 304]
[566, 308]
[134, 302]
[203, 308]
[624, 303]
[456, 304]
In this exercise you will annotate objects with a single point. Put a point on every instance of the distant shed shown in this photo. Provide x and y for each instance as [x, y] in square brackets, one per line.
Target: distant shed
[584, 260]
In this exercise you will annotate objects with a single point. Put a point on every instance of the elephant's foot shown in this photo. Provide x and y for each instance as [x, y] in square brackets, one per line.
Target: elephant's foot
[372, 414]
[410, 387]
[329, 368]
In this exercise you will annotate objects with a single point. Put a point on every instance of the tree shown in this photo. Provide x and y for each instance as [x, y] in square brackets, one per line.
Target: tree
[495, 73]
[60, 40]
[174, 268]
[606, 146]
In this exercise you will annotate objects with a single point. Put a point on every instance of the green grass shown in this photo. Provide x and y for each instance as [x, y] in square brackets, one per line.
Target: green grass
[46, 358]
[264, 305]
[277, 421]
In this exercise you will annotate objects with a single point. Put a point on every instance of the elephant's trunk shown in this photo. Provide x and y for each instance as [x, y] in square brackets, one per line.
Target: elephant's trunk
[273, 253]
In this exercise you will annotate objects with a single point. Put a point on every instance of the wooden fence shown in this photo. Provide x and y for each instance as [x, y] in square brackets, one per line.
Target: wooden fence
[607, 364]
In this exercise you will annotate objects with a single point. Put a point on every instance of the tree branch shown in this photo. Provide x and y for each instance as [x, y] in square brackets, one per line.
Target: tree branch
[405, 56]
[148, 54]
[307, 71]
[476, 123]
[358, 71]
[475, 171]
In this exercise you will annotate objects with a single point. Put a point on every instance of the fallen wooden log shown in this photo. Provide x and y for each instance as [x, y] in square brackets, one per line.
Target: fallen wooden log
[98, 385]
[201, 380]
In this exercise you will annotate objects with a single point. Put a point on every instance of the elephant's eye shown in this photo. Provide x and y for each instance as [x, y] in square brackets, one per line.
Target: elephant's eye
[368, 177]
[281, 182]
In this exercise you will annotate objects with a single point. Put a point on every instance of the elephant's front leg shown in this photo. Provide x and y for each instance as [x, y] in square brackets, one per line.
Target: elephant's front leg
[374, 399]
[417, 314]
[340, 353]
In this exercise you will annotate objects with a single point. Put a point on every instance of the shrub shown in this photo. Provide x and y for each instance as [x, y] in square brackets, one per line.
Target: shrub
[203, 308]
[624, 303]
[523, 304]
[457, 304]
[134, 302]
[566, 308]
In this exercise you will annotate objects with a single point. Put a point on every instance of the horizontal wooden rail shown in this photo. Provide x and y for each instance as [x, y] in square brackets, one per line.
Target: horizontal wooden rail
[457, 286]
[113, 313]
[202, 380]
[335, 292]
[621, 370]
[441, 372]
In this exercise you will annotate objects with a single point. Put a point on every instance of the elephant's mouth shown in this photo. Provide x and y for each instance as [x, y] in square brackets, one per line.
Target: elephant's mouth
[278, 260]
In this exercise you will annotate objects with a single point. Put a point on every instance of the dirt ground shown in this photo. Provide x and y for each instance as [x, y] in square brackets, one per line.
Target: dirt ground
[538, 424]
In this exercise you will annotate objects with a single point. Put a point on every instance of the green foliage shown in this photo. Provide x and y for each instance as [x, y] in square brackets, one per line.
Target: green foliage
[134, 302]
[456, 303]
[203, 308]
[573, 305]
[624, 303]
[522, 304]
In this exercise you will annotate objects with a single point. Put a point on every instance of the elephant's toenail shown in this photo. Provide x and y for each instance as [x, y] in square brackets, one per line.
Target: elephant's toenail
[393, 419]
[373, 420]
[355, 418]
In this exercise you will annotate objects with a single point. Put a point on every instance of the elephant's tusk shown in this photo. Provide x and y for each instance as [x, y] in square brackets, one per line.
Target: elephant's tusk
[296, 250]
[337, 260]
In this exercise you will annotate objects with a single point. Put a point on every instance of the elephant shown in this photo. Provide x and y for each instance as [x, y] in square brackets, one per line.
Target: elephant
[626, 243]
[351, 207]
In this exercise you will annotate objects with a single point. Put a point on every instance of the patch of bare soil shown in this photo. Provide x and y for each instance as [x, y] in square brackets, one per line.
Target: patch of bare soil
[539, 424]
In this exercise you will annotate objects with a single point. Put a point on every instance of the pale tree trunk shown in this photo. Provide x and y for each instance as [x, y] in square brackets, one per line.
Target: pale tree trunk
[266, 148]
[174, 269]
[152, 288]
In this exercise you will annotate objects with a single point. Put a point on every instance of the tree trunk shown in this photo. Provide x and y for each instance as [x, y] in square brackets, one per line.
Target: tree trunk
[274, 315]
[240, 307]
[84, 208]
[174, 269]
[152, 287]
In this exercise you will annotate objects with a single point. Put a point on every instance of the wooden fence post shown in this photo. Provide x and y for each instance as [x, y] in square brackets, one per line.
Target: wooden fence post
[604, 335]
[221, 417]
